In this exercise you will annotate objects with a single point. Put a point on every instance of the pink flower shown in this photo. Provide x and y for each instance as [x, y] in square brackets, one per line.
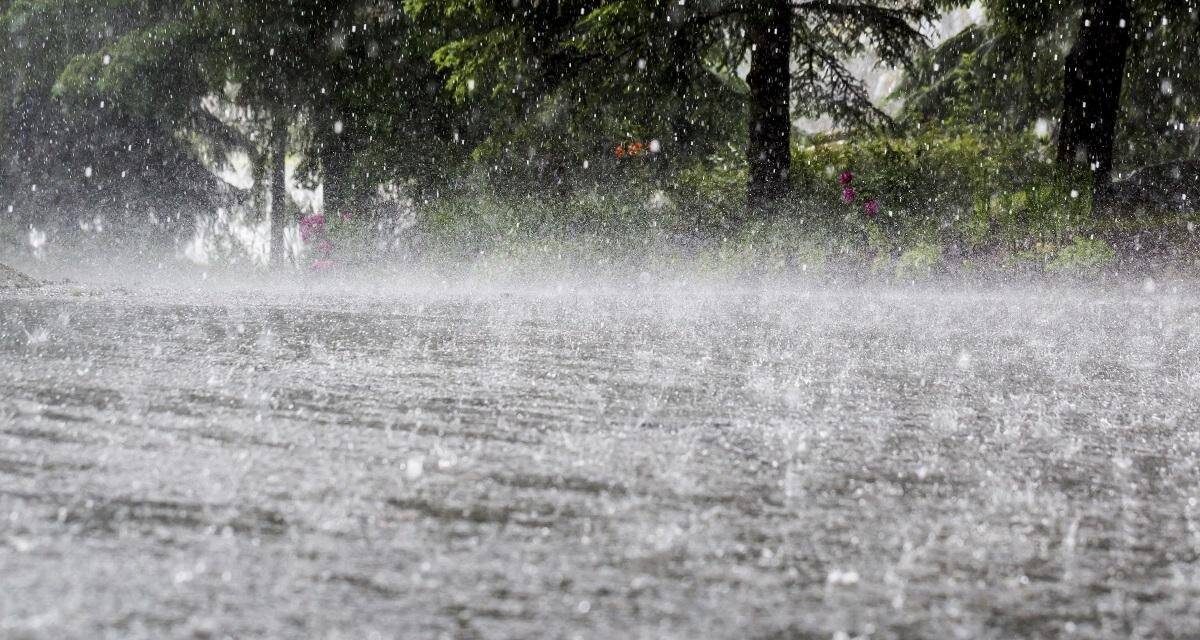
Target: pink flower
[312, 226]
[345, 216]
[845, 178]
[849, 194]
[322, 264]
[871, 208]
[325, 246]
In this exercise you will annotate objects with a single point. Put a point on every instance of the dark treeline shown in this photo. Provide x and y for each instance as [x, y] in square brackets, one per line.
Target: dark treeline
[130, 109]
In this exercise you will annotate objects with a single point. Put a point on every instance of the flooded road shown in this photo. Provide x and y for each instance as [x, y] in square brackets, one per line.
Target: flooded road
[637, 462]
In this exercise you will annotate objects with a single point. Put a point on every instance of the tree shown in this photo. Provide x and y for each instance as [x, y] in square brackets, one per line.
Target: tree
[68, 140]
[358, 85]
[797, 52]
[1123, 95]
[279, 194]
[124, 92]
[1094, 70]
[769, 149]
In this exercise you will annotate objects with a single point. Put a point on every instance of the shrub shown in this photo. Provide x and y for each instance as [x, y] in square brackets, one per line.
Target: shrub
[1086, 255]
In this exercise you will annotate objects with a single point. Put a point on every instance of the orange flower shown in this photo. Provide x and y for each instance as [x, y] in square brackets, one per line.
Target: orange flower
[635, 148]
[620, 151]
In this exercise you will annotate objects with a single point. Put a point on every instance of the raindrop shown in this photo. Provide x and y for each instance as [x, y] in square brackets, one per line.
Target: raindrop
[37, 241]
[414, 467]
[964, 360]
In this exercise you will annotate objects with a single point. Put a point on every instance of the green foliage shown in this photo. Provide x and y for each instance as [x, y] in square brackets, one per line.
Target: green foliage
[920, 260]
[1006, 75]
[75, 132]
[954, 186]
[714, 188]
[500, 119]
[1082, 255]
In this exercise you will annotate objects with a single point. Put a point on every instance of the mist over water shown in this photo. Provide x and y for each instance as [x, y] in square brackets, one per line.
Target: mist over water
[435, 452]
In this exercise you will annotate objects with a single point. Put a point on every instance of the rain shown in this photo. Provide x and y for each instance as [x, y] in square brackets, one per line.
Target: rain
[766, 319]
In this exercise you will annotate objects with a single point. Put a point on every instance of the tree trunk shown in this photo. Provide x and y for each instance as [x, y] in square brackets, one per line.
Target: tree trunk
[333, 149]
[769, 150]
[1095, 68]
[684, 50]
[279, 140]
[259, 196]
[335, 178]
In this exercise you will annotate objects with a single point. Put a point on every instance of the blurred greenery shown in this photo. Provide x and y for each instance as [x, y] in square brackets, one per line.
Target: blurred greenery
[478, 126]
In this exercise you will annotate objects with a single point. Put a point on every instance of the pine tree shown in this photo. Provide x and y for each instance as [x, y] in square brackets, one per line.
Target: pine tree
[1124, 94]
[796, 50]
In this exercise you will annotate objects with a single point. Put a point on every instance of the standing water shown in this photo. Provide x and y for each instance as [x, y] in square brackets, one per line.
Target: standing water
[651, 460]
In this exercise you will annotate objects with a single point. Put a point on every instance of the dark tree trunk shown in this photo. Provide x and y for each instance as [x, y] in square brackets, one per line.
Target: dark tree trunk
[279, 140]
[1095, 68]
[333, 132]
[335, 185]
[685, 52]
[769, 150]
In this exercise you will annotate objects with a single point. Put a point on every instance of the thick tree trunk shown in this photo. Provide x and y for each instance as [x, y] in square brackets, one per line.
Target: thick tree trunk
[1095, 68]
[279, 140]
[769, 149]
[685, 51]
[334, 150]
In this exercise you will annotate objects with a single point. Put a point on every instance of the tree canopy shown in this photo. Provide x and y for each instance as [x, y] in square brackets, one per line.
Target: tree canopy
[137, 107]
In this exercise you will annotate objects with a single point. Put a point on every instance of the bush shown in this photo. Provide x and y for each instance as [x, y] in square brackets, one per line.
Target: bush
[1084, 255]
[946, 199]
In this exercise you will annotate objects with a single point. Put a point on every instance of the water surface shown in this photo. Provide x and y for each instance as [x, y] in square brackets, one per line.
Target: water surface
[631, 461]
